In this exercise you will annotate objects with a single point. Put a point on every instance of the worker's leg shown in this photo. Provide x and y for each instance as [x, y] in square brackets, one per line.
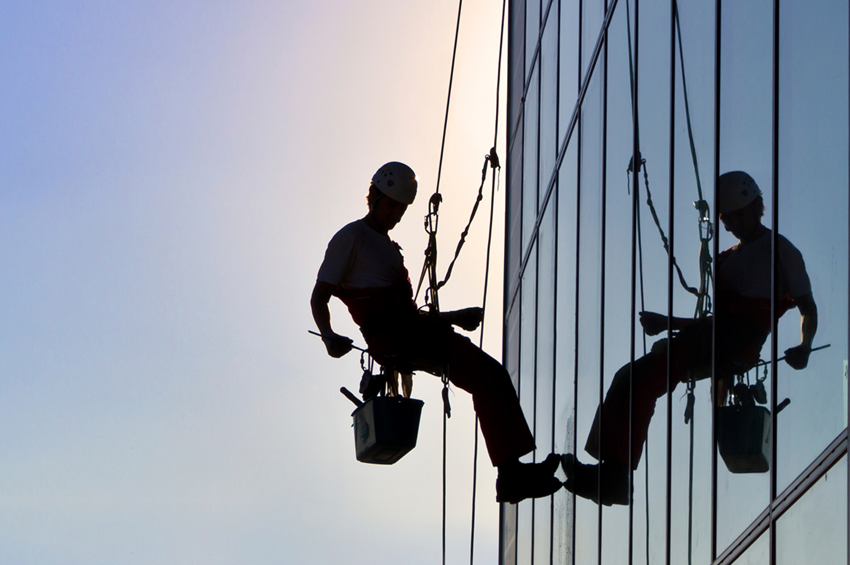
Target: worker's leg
[689, 349]
[609, 436]
[503, 424]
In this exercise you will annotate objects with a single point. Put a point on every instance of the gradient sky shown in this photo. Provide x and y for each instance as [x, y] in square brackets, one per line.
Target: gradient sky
[171, 173]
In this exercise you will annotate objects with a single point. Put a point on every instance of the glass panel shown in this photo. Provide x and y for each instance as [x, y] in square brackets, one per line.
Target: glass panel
[589, 300]
[813, 149]
[568, 76]
[745, 145]
[530, 145]
[525, 532]
[532, 29]
[512, 345]
[617, 305]
[544, 420]
[757, 553]
[814, 530]
[542, 530]
[565, 348]
[525, 526]
[509, 511]
[592, 18]
[509, 529]
[545, 336]
[548, 102]
[517, 62]
[514, 217]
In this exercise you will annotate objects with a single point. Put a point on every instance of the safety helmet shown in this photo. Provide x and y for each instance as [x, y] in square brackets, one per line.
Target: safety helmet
[735, 190]
[396, 180]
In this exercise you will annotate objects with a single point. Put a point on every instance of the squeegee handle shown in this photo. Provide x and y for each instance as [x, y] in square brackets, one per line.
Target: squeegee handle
[349, 395]
[321, 336]
[812, 350]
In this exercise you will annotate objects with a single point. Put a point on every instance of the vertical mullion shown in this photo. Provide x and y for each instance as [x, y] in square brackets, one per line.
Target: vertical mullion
[670, 255]
[846, 399]
[716, 249]
[635, 203]
[775, 282]
[579, 141]
[602, 280]
[555, 211]
[539, 80]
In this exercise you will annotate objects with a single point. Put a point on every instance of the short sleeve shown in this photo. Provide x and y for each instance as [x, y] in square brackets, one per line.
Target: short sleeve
[339, 258]
[794, 273]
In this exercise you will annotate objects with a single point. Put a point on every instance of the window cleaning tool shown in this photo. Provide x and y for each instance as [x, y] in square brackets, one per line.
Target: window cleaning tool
[385, 427]
[743, 438]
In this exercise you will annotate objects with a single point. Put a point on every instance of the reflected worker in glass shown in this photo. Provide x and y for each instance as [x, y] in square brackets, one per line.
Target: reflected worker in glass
[743, 317]
[364, 268]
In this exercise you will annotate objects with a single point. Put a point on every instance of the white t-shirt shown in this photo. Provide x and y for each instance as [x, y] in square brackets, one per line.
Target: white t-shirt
[746, 269]
[360, 257]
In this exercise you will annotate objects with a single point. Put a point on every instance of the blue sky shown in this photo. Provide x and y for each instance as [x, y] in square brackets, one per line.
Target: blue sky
[171, 174]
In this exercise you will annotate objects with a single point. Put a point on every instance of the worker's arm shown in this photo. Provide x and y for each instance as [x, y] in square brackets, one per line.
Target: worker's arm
[654, 323]
[336, 344]
[798, 356]
[468, 318]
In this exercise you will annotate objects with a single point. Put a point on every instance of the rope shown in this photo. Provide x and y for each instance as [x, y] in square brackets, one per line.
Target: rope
[431, 221]
[646, 448]
[430, 264]
[493, 159]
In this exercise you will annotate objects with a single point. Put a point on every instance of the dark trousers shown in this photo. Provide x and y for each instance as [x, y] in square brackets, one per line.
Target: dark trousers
[420, 342]
[738, 343]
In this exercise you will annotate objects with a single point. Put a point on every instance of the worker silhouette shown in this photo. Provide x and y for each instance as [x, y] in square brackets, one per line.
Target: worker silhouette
[365, 269]
[743, 323]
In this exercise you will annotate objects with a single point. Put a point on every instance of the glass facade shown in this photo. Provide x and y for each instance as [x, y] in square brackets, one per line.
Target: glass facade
[622, 116]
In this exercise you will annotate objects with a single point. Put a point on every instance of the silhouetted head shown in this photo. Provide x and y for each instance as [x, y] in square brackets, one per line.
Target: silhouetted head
[392, 189]
[737, 190]
[740, 204]
[396, 180]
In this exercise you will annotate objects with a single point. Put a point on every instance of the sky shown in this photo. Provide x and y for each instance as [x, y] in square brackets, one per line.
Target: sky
[170, 174]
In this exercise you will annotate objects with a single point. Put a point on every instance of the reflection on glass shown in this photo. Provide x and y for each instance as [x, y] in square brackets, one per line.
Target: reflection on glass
[589, 295]
[743, 323]
[615, 346]
[692, 448]
[565, 350]
[746, 142]
[545, 382]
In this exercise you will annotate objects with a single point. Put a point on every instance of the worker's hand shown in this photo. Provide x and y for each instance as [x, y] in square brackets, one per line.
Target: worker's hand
[337, 345]
[653, 323]
[467, 319]
[798, 357]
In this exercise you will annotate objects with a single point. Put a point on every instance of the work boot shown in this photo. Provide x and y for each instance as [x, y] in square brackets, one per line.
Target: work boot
[518, 481]
[583, 480]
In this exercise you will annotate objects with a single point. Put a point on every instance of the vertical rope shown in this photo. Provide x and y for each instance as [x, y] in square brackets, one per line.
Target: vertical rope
[487, 274]
[432, 267]
[449, 96]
